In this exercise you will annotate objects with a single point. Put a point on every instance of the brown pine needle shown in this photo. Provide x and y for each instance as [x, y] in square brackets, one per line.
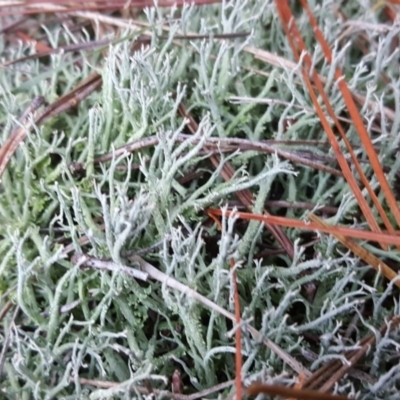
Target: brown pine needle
[18, 134]
[362, 131]
[298, 47]
[365, 255]
[310, 226]
[299, 394]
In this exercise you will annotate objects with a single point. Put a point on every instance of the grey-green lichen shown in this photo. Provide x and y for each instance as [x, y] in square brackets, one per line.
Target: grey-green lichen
[73, 323]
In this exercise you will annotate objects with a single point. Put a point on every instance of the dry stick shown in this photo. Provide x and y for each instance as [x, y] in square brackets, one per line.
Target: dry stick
[211, 390]
[160, 276]
[19, 133]
[34, 7]
[176, 382]
[299, 394]
[232, 143]
[12, 25]
[84, 260]
[62, 104]
[60, 50]
[301, 205]
[104, 42]
[245, 196]
[155, 274]
[157, 392]
[71, 99]
[6, 309]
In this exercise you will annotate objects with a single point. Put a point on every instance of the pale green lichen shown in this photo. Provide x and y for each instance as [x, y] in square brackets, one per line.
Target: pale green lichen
[99, 325]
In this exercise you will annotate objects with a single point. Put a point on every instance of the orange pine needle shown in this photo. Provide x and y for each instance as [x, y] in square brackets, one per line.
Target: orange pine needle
[356, 117]
[310, 226]
[364, 254]
[298, 46]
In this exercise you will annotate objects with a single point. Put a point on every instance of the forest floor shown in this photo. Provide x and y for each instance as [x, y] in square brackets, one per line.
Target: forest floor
[199, 200]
